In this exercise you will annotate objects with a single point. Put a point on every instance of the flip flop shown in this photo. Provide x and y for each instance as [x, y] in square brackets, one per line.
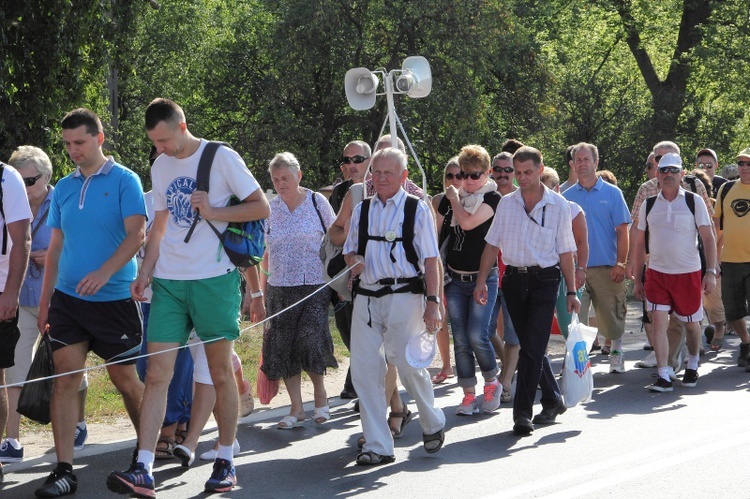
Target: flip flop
[166, 452]
[288, 422]
[321, 414]
[441, 377]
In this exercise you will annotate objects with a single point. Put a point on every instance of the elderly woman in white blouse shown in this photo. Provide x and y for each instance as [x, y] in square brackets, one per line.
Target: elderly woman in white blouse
[298, 339]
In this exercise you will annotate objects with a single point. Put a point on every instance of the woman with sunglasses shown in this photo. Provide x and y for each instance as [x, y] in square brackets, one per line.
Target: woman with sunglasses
[450, 177]
[471, 209]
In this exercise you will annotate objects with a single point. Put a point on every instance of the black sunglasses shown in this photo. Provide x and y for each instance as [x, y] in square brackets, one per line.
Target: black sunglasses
[473, 176]
[743, 163]
[506, 169]
[669, 169]
[450, 176]
[29, 181]
[657, 158]
[345, 160]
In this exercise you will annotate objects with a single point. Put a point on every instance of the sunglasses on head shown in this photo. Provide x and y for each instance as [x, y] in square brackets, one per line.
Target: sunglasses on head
[345, 160]
[29, 181]
[669, 169]
[472, 176]
[506, 169]
[743, 163]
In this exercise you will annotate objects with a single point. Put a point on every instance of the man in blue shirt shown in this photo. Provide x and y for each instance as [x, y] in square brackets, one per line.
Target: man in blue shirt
[607, 219]
[98, 220]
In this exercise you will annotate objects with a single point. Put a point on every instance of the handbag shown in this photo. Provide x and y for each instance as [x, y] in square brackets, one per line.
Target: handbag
[577, 380]
[264, 387]
[34, 400]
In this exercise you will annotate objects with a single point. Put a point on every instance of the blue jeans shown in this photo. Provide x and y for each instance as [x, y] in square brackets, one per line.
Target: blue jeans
[470, 326]
[531, 301]
[509, 332]
[180, 392]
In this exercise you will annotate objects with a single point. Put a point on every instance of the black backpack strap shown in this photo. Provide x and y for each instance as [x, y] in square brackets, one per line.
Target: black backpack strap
[723, 194]
[2, 210]
[690, 201]
[320, 217]
[407, 232]
[690, 179]
[364, 235]
[649, 205]
[204, 173]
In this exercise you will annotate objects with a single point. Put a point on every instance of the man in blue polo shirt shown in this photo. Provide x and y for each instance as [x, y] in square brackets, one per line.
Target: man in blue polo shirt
[607, 219]
[98, 220]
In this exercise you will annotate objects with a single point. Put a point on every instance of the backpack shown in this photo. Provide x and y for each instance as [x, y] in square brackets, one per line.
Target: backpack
[690, 201]
[243, 242]
[722, 194]
[407, 231]
[2, 210]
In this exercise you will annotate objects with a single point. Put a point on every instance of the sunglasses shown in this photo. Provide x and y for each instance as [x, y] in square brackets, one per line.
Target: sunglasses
[345, 160]
[705, 166]
[29, 181]
[472, 176]
[450, 176]
[743, 163]
[669, 169]
[657, 158]
[648, 166]
[506, 169]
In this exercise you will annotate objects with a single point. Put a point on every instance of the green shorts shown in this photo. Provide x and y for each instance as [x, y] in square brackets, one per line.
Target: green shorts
[210, 306]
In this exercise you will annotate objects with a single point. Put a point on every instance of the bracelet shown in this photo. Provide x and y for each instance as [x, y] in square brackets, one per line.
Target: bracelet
[571, 293]
[622, 265]
[256, 294]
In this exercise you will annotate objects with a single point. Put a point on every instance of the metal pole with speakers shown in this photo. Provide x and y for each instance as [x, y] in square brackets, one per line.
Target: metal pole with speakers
[414, 79]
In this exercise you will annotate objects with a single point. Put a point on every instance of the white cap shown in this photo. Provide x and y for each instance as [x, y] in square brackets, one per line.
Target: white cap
[420, 350]
[671, 159]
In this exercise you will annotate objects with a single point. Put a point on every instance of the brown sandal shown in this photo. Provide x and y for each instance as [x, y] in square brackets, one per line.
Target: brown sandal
[166, 451]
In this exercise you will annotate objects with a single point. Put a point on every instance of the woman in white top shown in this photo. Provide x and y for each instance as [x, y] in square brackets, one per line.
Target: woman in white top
[299, 339]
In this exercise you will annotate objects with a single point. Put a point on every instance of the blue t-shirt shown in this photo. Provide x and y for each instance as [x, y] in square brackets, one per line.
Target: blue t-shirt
[91, 213]
[605, 210]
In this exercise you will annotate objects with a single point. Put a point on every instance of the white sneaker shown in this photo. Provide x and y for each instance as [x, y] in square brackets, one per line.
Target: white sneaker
[648, 362]
[671, 373]
[210, 455]
[468, 406]
[616, 362]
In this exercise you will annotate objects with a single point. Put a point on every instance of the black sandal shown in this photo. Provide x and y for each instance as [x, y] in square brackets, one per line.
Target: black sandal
[372, 458]
[406, 417]
[438, 437]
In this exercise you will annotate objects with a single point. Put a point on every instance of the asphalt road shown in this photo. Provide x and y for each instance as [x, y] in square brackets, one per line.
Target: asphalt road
[626, 442]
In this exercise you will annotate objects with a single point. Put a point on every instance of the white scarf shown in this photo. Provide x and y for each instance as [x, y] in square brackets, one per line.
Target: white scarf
[471, 201]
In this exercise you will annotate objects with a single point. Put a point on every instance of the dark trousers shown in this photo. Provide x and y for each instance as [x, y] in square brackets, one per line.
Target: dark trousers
[343, 313]
[531, 301]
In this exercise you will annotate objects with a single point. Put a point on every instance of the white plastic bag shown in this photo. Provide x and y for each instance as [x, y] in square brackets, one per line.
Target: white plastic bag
[577, 380]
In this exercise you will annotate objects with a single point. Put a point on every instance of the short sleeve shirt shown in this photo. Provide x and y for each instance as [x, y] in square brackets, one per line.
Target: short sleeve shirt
[16, 208]
[91, 212]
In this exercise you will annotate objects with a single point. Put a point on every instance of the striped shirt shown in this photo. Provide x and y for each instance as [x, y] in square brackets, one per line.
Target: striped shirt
[536, 238]
[389, 216]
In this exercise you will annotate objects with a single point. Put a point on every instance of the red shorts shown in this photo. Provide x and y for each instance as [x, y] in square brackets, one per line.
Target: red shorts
[678, 293]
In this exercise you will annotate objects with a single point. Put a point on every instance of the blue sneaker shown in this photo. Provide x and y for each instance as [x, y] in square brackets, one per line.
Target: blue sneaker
[223, 478]
[9, 454]
[81, 435]
[136, 481]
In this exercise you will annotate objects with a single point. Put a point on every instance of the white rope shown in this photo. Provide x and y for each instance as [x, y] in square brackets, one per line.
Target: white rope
[187, 345]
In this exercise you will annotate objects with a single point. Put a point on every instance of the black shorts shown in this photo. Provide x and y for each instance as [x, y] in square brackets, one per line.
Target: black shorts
[113, 329]
[9, 335]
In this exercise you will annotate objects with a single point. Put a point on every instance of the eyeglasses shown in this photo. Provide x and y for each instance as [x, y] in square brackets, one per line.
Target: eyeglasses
[29, 181]
[506, 169]
[669, 169]
[705, 166]
[743, 163]
[472, 176]
[345, 160]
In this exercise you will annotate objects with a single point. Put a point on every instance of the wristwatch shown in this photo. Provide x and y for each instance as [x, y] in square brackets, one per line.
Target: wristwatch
[433, 298]
[256, 294]
[581, 268]
[712, 271]
[571, 293]
[622, 265]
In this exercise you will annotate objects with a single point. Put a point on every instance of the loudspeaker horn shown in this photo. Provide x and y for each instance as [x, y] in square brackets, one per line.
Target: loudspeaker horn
[416, 78]
[361, 88]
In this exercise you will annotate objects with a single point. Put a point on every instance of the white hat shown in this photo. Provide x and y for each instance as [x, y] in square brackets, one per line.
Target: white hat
[671, 159]
[420, 349]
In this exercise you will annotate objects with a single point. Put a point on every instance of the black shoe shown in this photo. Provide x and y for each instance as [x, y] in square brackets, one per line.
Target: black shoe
[548, 416]
[348, 394]
[661, 385]
[58, 484]
[690, 378]
[523, 427]
[709, 333]
[356, 406]
[742, 356]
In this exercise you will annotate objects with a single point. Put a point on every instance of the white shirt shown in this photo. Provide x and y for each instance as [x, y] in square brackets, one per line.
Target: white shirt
[16, 207]
[673, 243]
[389, 216]
[537, 238]
[173, 181]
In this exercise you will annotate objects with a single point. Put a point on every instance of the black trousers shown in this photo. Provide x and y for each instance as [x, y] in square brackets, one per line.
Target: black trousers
[343, 314]
[531, 301]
